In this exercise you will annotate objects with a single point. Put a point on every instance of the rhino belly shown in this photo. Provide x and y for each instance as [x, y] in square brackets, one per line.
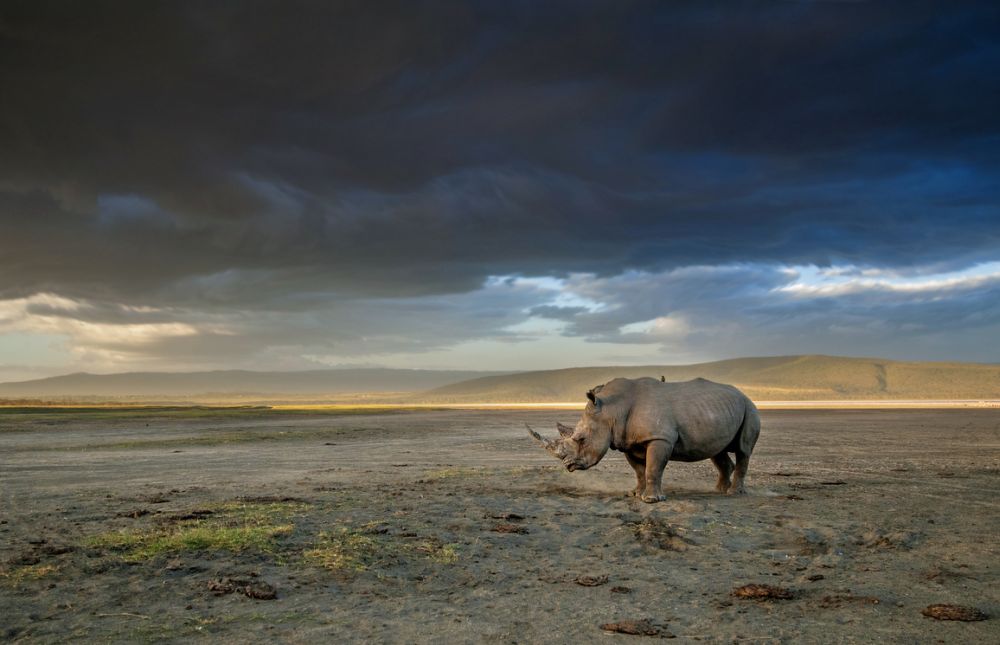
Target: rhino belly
[703, 442]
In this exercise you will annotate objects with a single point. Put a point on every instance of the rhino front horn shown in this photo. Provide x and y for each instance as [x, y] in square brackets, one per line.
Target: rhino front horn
[539, 438]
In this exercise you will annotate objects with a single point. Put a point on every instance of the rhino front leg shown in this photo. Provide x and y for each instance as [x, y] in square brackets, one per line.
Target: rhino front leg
[638, 464]
[657, 455]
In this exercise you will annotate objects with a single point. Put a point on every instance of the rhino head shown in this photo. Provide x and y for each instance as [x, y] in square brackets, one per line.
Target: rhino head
[582, 446]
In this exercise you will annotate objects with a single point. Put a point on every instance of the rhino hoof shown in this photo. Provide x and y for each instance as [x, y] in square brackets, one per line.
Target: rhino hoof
[652, 499]
[738, 491]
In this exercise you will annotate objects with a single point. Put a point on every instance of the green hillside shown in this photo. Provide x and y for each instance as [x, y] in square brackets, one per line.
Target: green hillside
[791, 378]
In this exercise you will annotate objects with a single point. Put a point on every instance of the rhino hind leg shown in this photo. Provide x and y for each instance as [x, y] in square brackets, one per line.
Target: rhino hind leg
[738, 487]
[744, 443]
[725, 466]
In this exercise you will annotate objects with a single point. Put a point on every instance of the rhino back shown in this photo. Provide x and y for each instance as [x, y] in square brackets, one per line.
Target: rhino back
[700, 417]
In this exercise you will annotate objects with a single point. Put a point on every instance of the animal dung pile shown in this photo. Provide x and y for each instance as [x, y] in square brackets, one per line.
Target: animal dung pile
[510, 528]
[591, 581]
[762, 592]
[636, 628]
[953, 612]
[658, 534]
[512, 517]
[256, 589]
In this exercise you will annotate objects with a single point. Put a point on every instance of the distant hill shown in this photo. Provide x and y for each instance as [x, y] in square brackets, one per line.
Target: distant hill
[313, 382]
[785, 378]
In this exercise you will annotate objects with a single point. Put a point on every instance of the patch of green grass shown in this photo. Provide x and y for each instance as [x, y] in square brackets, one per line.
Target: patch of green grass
[17, 575]
[259, 513]
[440, 553]
[351, 549]
[232, 526]
[138, 546]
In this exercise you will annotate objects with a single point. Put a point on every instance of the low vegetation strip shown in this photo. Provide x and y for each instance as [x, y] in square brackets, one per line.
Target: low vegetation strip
[231, 526]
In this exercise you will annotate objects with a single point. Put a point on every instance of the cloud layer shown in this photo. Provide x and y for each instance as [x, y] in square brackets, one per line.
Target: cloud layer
[259, 183]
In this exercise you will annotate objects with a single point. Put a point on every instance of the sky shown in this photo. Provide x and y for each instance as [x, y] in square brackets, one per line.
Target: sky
[495, 185]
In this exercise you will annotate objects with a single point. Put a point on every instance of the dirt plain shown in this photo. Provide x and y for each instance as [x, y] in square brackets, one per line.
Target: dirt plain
[453, 526]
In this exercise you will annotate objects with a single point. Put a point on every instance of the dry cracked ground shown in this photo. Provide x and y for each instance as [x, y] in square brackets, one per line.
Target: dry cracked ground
[452, 526]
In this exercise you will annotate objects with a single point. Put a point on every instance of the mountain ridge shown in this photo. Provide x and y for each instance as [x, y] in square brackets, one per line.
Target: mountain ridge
[794, 377]
[344, 380]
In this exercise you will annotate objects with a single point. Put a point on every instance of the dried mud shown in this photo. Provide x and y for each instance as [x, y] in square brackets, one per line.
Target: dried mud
[452, 526]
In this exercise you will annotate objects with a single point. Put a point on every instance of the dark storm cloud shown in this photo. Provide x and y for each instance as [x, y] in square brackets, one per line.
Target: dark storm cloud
[244, 153]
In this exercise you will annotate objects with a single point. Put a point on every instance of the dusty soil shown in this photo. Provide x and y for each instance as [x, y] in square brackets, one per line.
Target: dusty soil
[452, 526]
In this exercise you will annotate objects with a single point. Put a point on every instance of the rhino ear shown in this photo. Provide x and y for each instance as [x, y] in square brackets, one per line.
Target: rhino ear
[593, 399]
[564, 430]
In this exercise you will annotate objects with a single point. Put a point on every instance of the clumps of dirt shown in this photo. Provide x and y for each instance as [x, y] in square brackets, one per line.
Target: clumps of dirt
[941, 575]
[510, 517]
[834, 482]
[197, 514]
[620, 589]
[256, 589]
[953, 612]
[134, 514]
[270, 499]
[40, 550]
[879, 539]
[785, 474]
[811, 542]
[642, 627]
[838, 600]
[591, 581]
[815, 577]
[658, 534]
[509, 528]
[762, 592]
[795, 498]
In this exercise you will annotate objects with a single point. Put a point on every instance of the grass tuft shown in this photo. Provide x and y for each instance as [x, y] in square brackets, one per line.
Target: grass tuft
[18, 575]
[358, 549]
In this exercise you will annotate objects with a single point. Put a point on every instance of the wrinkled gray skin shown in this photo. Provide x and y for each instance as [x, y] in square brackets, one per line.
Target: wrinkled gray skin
[652, 422]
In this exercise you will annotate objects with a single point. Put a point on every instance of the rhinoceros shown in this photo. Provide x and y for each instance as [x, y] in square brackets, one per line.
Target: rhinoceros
[652, 421]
